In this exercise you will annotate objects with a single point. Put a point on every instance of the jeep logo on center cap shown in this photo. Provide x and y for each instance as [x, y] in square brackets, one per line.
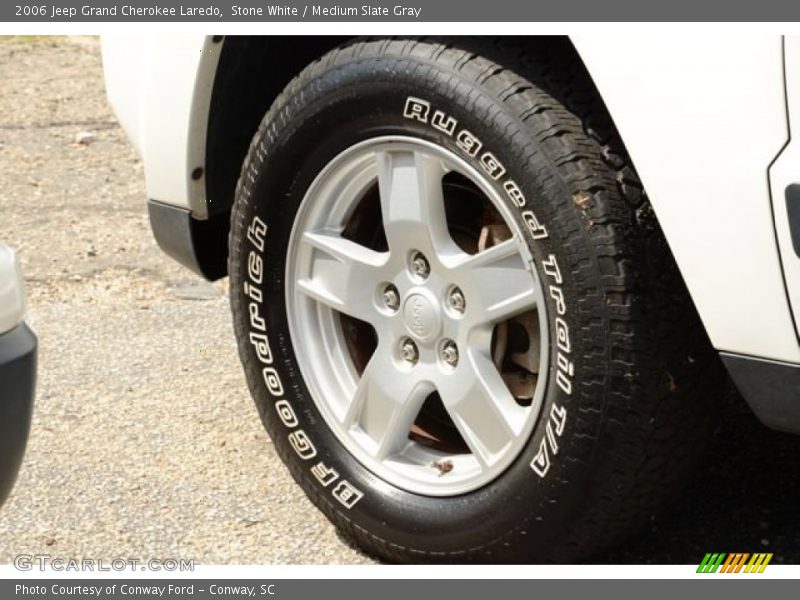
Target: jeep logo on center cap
[420, 316]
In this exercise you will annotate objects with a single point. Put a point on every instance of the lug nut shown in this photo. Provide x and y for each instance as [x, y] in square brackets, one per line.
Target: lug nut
[450, 353]
[391, 298]
[420, 266]
[456, 301]
[409, 352]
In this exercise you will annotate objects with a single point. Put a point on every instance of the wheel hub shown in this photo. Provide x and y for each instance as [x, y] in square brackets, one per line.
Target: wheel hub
[422, 316]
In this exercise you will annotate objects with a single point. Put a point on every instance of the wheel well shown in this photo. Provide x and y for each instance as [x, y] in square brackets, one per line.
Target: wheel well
[252, 71]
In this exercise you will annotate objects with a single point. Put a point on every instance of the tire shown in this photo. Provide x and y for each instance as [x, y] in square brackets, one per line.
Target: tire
[624, 401]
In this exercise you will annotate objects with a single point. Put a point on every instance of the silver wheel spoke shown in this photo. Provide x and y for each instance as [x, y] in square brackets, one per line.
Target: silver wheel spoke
[502, 281]
[342, 275]
[385, 404]
[483, 409]
[412, 200]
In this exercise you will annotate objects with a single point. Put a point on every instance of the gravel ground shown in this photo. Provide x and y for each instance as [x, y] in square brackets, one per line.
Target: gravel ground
[145, 442]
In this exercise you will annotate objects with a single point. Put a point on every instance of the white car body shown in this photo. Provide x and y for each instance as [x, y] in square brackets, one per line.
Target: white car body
[160, 88]
[706, 122]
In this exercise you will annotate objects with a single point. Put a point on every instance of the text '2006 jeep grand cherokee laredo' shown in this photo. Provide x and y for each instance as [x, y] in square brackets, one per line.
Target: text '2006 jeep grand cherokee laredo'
[481, 287]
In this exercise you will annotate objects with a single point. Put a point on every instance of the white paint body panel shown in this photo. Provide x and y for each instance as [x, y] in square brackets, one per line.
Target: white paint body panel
[160, 88]
[703, 116]
[786, 171]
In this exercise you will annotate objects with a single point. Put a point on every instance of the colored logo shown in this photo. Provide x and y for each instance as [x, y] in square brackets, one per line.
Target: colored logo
[737, 562]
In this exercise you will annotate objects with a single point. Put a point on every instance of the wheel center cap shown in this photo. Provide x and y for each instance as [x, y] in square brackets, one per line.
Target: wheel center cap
[421, 316]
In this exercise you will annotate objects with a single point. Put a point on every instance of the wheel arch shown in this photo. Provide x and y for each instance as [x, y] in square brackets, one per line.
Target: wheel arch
[630, 90]
[237, 102]
[251, 73]
[234, 83]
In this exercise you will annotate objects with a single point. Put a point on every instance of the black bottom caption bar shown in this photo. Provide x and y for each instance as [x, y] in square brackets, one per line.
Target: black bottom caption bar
[384, 589]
